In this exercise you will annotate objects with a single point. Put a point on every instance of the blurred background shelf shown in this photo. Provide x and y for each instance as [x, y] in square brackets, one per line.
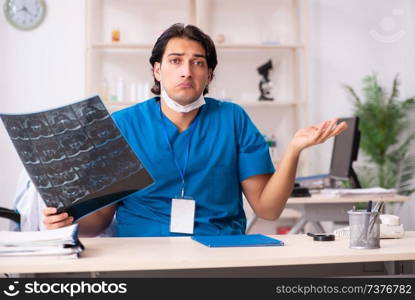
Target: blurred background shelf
[118, 45]
[278, 31]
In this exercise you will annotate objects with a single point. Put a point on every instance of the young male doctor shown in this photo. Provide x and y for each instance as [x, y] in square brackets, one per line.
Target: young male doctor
[202, 153]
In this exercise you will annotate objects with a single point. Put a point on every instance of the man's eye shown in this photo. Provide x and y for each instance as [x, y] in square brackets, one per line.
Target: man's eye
[199, 63]
[175, 61]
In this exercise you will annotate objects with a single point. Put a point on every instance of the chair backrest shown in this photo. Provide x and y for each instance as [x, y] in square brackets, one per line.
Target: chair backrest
[10, 214]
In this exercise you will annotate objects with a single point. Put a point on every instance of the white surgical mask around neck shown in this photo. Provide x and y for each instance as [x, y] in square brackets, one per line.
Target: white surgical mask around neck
[177, 106]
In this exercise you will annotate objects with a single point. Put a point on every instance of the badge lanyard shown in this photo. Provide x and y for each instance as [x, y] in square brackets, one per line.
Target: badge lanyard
[182, 172]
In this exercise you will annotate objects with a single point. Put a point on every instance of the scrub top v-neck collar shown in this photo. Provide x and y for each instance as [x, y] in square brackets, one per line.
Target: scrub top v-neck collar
[171, 125]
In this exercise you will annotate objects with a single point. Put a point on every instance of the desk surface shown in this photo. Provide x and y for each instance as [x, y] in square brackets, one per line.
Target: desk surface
[318, 198]
[178, 253]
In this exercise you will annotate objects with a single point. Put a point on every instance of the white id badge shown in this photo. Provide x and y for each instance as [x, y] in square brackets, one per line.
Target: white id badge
[182, 215]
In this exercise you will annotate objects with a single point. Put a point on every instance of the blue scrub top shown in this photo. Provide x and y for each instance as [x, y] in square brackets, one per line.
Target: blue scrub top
[226, 148]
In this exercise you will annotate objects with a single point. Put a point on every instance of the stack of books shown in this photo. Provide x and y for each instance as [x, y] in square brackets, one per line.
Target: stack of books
[376, 191]
[60, 243]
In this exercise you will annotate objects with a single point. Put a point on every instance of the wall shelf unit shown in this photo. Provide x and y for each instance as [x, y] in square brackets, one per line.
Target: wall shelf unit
[246, 33]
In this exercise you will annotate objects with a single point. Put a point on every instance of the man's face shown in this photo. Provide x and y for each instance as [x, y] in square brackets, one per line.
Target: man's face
[183, 70]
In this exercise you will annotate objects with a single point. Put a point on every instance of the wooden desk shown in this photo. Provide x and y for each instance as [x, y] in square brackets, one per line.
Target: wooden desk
[319, 208]
[181, 256]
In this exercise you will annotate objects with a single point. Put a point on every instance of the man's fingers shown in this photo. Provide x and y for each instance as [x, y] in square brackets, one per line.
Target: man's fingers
[339, 129]
[55, 218]
[327, 130]
[50, 211]
[64, 223]
[320, 130]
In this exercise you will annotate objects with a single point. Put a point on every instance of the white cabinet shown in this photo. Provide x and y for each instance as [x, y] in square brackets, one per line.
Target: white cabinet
[246, 33]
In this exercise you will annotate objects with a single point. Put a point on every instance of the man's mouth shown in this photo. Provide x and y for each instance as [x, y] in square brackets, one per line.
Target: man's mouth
[185, 85]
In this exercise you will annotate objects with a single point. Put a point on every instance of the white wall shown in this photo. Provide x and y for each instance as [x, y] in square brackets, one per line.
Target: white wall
[40, 69]
[350, 39]
[45, 67]
[344, 48]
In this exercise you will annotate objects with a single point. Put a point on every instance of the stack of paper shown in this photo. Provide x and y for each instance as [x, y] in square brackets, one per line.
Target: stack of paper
[376, 191]
[62, 242]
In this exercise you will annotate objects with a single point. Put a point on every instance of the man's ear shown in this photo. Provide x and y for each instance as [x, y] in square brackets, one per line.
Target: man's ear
[156, 71]
[210, 76]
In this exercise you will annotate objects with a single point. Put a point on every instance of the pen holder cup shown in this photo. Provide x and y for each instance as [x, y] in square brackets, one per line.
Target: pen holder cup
[364, 229]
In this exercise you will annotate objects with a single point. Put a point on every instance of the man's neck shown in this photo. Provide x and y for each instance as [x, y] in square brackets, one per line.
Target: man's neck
[181, 120]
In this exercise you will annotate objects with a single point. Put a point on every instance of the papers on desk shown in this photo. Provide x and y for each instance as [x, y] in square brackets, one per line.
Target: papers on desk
[62, 243]
[376, 191]
[247, 240]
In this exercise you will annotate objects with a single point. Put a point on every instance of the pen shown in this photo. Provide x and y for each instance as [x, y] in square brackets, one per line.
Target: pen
[365, 230]
[369, 206]
[377, 210]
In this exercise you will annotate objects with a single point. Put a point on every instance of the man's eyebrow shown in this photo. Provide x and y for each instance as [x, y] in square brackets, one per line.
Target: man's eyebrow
[182, 54]
[175, 54]
[199, 55]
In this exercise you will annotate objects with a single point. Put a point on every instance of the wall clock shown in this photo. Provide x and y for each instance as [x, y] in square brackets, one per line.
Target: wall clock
[25, 14]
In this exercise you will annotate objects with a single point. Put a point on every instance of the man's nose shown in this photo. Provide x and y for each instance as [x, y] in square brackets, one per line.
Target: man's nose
[186, 70]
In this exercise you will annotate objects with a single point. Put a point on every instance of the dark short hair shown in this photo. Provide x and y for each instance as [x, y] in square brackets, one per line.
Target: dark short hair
[190, 32]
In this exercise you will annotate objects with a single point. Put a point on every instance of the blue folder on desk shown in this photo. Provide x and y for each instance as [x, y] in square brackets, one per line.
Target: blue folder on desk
[247, 240]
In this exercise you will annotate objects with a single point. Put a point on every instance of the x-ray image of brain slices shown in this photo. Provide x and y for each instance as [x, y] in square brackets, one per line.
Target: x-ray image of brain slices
[71, 152]
[120, 157]
[63, 120]
[94, 169]
[89, 112]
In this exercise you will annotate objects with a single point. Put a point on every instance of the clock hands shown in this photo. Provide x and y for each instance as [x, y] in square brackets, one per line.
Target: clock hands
[26, 11]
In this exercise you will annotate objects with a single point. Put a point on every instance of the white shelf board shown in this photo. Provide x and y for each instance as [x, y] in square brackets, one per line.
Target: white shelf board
[258, 46]
[116, 45]
[109, 46]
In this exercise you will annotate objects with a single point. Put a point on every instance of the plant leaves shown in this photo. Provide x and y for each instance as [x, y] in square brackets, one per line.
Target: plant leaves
[383, 121]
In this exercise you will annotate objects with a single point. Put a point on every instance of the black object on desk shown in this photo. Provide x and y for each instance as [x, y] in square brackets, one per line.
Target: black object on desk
[299, 191]
[322, 237]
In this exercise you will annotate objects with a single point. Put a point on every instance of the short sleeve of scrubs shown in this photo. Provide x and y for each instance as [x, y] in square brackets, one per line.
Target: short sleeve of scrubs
[254, 157]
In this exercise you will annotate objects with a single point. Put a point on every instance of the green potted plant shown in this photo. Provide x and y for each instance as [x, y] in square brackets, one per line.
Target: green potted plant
[385, 140]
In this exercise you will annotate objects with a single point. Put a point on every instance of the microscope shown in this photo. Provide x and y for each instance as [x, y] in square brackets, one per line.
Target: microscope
[265, 84]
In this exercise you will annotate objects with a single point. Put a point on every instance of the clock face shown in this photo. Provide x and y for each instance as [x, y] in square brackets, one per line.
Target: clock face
[25, 14]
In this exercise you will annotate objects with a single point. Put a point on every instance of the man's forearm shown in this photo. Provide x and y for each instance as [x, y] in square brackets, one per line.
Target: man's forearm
[280, 185]
[96, 223]
[271, 196]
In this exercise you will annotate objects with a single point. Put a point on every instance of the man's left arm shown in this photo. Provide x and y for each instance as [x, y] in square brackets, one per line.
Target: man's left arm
[268, 193]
